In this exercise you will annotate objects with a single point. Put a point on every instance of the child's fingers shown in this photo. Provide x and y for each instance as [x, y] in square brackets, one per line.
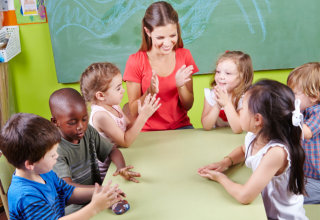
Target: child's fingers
[156, 104]
[111, 192]
[128, 167]
[204, 175]
[155, 101]
[97, 188]
[147, 99]
[133, 180]
[134, 174]
[108, 188]
[201, 169]
[121, 193]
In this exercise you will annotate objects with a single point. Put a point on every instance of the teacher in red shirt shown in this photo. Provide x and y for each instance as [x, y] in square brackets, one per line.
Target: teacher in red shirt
[164, 67]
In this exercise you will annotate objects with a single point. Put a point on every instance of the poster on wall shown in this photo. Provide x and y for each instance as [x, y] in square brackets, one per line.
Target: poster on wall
[30, 11]
[29, 7]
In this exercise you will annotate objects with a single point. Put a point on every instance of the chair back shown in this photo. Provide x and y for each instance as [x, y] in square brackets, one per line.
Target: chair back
[6, 171]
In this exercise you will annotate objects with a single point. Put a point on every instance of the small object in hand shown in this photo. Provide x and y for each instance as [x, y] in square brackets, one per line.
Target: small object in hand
[120, 207]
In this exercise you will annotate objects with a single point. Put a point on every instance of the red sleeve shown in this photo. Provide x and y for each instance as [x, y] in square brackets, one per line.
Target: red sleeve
[132, 71]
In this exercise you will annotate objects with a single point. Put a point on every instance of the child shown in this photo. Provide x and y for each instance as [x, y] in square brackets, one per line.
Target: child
[272, 149]
[81, 146]
[30, 142]
[305, 83]
[101, 85]
[234, 74]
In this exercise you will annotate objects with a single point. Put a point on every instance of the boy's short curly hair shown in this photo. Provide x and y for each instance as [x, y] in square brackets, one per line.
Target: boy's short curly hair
[307, 79]
[95, 78]
[27, 137]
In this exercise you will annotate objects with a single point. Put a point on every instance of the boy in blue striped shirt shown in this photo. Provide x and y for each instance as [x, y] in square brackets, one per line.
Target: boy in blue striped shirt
[305, 83]
[29, 142]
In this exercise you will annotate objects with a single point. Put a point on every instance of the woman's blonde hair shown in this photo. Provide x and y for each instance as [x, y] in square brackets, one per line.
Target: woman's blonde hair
[95, 78]
[245, 69]
[307, 79]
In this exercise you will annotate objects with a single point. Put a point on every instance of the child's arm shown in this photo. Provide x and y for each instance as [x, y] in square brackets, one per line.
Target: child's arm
[273, 163]
[224, 100]
[134, 93]
[307, 133]
[70, 182]
[117, 158]
[108, 126]
[209, 115]
[102, 197]
[235, 157]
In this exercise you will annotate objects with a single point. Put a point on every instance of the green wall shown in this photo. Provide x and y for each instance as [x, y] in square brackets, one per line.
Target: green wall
[33, 76]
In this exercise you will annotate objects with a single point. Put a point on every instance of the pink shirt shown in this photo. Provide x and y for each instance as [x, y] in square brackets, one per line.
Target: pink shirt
[171, 114]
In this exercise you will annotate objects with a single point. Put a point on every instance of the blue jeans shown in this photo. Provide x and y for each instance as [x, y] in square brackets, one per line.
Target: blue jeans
[313, 190]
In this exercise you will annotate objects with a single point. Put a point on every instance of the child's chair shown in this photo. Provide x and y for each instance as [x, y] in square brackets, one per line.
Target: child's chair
[6, 171]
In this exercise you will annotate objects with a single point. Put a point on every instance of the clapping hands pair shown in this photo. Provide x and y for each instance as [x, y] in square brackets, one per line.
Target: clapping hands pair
[182, 76]
[222, 97]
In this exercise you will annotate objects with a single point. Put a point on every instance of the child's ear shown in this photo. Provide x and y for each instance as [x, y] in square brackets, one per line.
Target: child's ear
[28, 165]
[54, 121]
[314, 100]
[99, 96]
[258, 120]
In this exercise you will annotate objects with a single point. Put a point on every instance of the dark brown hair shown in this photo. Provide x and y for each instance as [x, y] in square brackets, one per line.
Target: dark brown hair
[275, 103]
[27, 137]
[95, 78]
[245, 69]
[159, 14]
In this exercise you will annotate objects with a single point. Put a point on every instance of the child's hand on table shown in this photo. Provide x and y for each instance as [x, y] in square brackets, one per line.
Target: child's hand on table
[211, 174]
[127, 174]
[219, 166]
[105, 196]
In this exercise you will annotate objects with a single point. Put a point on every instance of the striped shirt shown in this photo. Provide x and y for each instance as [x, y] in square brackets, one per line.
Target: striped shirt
[33, 200]
[312, 146]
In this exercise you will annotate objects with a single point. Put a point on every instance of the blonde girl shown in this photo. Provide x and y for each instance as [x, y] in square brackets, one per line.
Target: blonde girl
[233, 76]
[101, 86]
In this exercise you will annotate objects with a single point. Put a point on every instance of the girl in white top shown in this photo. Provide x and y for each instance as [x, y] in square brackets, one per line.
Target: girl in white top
[233, 76]
[272, 149]
[101, 85]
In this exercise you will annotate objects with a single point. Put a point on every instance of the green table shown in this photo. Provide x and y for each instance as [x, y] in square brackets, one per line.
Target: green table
[170, 187]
